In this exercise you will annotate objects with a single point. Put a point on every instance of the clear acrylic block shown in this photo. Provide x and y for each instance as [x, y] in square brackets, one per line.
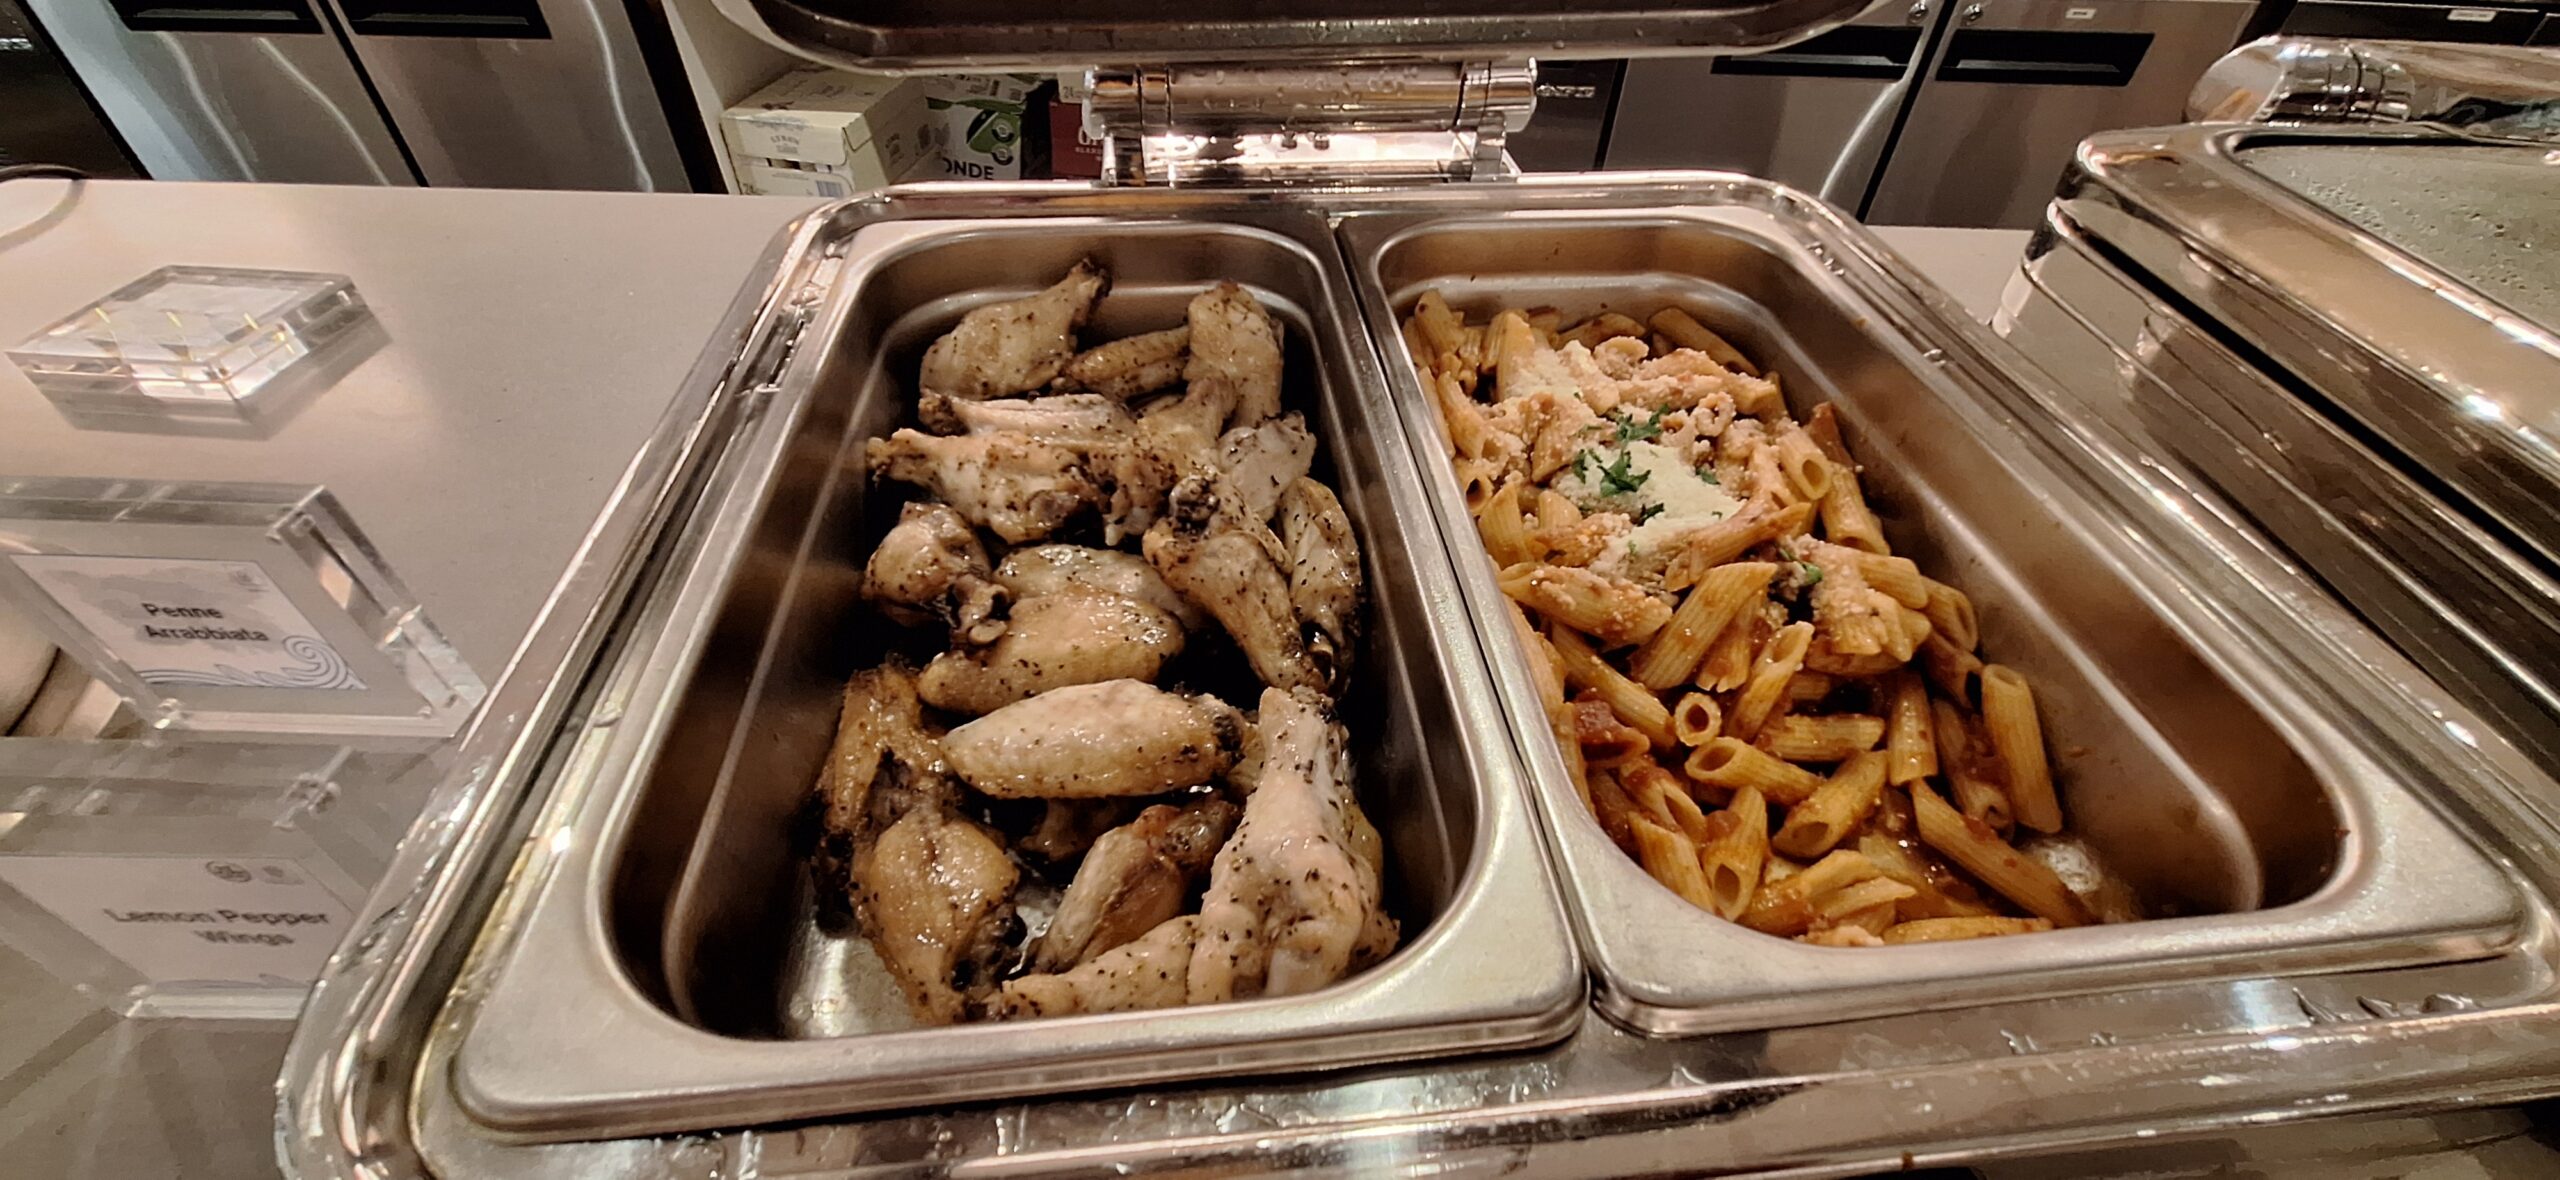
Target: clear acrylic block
[189, 341]
[200, 879]
[243, 609]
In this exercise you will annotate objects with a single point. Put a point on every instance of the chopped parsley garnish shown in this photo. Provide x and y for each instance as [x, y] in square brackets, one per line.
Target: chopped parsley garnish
[1812, 574]
[1648, 512]
[1582, 466]
[1619, 477]
[1707, 472]
[1630, 430]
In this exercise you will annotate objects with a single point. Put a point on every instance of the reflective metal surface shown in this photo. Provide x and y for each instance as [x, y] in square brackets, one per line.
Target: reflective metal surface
[675, 898]
[2485, 90]
[1816, 115]
[368, 1090]
[1335, 123]
[2211, 797]
[1003, 35]
[230, 104]
[2415, 422]
[2015, 84]
[52, 119]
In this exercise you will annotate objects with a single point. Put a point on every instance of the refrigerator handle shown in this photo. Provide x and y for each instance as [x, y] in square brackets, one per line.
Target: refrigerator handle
[445, 18]
[1854, 51]
[255, 17]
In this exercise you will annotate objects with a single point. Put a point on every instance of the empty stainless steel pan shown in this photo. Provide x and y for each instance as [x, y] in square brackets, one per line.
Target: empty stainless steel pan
[669, 975]
[2220, 796]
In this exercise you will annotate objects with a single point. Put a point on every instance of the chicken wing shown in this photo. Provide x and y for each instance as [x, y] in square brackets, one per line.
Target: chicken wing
[1074, 636]
[1186, 428]
[1067, 827]
[1016, 346]
[1077, 421]
[881, 761]
[1136, 877]
[1230, 566]
[1019, 488]
[1324, 575]
[1293, 901]
[1046, 569]
[1235, 343]
[931, 565]
[1130, 367]
[1260, 461]
[936, 894]
[1116, 738]
[1152, 972]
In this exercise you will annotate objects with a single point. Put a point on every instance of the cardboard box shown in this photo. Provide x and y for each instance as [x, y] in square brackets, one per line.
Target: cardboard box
[782, 178]
[868, 128]
[1073, 155]
[978, 127]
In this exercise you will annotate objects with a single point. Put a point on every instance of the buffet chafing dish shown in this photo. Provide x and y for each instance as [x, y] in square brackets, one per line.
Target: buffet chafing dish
[530, 981]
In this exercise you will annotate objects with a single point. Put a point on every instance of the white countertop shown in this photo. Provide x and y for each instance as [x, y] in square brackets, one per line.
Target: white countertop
[533, 340]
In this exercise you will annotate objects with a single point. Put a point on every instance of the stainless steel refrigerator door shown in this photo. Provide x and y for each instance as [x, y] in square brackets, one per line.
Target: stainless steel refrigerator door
[2011, 91]
[2486, 24]
[50, 119]
[1816, 115]
[518, 93]
[228, 89]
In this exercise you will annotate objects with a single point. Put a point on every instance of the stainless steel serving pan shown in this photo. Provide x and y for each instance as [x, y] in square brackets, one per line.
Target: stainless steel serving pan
[2214, 794]
[669, 974]
[369, 1088]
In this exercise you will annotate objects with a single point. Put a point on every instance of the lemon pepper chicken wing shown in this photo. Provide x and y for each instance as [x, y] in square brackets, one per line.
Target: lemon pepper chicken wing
[1230, 566]
[1137, 876]
[1130, 367]
[1074, 636]
[1116, 738]
[1235, 343]
[1019, 488]
[1016, 346]
[932, 564]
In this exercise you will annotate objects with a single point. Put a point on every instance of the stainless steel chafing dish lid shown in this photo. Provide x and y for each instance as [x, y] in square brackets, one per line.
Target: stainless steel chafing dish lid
[1004, 34]
[2395, 276]
[2506, 90]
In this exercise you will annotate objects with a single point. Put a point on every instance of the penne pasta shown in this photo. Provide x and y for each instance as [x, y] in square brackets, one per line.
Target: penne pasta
[1542, 658]
[1766, 689]
[1822, 657]
[1786, 907]
[1728, 661]
[1660, 792]
[1809, 687]
[2017, 740]
[1898, 577]
[1672, 859]
[1610, 805]
[1732, 765]
[1556, 510]
[1505, 530]
[1560, 720]
[1438, 323]
[1954, 673]
[1766, 401]
[1604, 326]
[1911, 744]
[1476, 480]
[1869, 904]
[1675, 651]
[1807, 473]
[2010, 873]
[1602, 738]
[1960, 765]
[1930, 898]
[1832, 738]
[1951, 929]
[1735, 851]
[1696, 719]
[1950, 614]
[1683, 331]
[1834, 810]
[1714, 545]
[1613, 611]
[1584, 669]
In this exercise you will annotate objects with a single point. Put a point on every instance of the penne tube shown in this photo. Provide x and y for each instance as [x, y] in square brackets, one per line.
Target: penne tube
[1696, 719]
[1705, 548]
[1847, 521]
[1911, 744]
[1892, 817]
[1577, 772]
[1822, 657]
[1556, 510]
[1951, 617]
[1930, 898]
[1960, 765]
[1632, 702]
[1603, 739]
[1680, 329]
[1542, 658]
[1951, 929]
[1766, 688]
[1785, 907]
[1735, 851]
[1898, 577]
[1954, 673]
[1765, 400]
[1505, 530]
[2008, 872]
[1439, 323]
[1868, 901]
[1833, 738]
[1732, 765]
[1605, 326]
[1547, 321]
[1672, 859]
[1807, 687]
[1834, 810]
[1610, 805]
[1661, 792]
[2017, 740]
[1476, 480]
[1613, 611]
[1915, 630]
[1984, 800]
[1470, 436]
[1674, 652]
[1728, 661]
[1513, 343]
[1807, 473]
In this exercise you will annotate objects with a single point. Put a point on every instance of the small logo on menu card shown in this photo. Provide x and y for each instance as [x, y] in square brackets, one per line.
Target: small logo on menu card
[228, 871]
